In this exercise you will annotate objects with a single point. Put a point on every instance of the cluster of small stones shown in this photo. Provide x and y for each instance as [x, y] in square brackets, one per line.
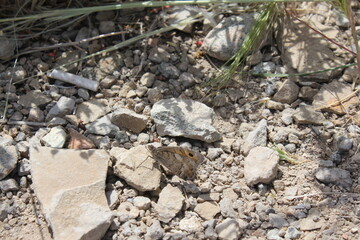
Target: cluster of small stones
[242, 191]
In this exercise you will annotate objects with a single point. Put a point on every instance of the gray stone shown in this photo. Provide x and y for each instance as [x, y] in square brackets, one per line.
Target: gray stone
[155, 231]
[36, 115]
[334, 175]
[24, 167]
[83, 93]
[8, 160]
[273, 234]
[260, 166]
[62, 107]
[73, 202]
[170, 203]
[134, 166]
[107, 82]
[5, 209]
[127, 211]
[308, 115]
[125, 118]
[9, 185]
[168, 70]
[308, 93]
[292, 233]
[7, 48]
[214, 153]
[70, 57]
[257, 137]
[106, 26]
[180, 14]
[102, 126]
[264, 67]
[227, 209]
[35, 99]
[287, 93]
[187, 79]
[112, 198]
[224, 40]
[228, 229]
[345, 144]
[56, 138]
[158, 54]
[56, 121]
[184, 118]
[91, 110]
[6, 141]
[277, 221]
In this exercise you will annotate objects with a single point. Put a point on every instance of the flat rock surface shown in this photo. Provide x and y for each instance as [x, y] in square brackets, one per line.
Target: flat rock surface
[91, 110]
[184, 118]
[77, 192]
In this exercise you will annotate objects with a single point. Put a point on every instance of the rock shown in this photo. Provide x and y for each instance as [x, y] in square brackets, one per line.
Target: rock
[8, 159]
[308, 93]
[125, 118]
[73, 202]
[264, 67]
[62, 107]
[227, 209]
[134, 166]
[91, 110]
[255, 58]
[345, 144]
[127, 211]
[7, 48]
[292, 233]
[142, 203]
[155, 231]
[170, 203]
[79, 141]
[213, 153]
[184, 118]
[56, 138]
[224, 40]
[9, 185]
[308, 223]
[5, 209]
[180, 14]
[158, 54]
[187, 79]
[334, 175]
[107, 82]
[168, 70]
[56, 121]
[328, 97]
[147, 79]
[257, 137]
[287, 93]
[83, 93]
[219, 100]
[260, 166]
[308, 115]
[277, 221]
[24, 167]
[69, 57]
[103, 126]
[191, 225]
[207, 210]
[292, 39]
[106, 26]
[273, 234]
[154, 95]
[34, 99]
[228, 230]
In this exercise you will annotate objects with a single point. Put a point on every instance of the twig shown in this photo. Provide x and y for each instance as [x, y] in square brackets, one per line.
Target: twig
[37, 124]
[323, 193]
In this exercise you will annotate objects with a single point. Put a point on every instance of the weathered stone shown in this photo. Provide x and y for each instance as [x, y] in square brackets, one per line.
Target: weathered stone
[308, 115]
[9, 185]
[155, 231]
[147, 79]
[260, 165]
[184, 118]
[35, 99]
[134, 166]
[125, 118]
[71, 191]
[8, 160]
[7, 48]
[55, 138]
[329, 95]
[103, 126]
[228, 229]
[143, 203]
[91, 110]
[334, 175]
[170, 203]
[287, 93]
[224, 40]
[62, 107]
[207, 210]
[257, 137]
[191, 225]
[158, 54]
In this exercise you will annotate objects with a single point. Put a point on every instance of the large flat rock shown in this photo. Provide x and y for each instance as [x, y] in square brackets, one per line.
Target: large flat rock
[184, 118]
[70, 185]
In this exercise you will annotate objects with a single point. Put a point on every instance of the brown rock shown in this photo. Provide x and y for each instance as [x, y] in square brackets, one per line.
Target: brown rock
[79, 141]
[125, 118]
[287, 93]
